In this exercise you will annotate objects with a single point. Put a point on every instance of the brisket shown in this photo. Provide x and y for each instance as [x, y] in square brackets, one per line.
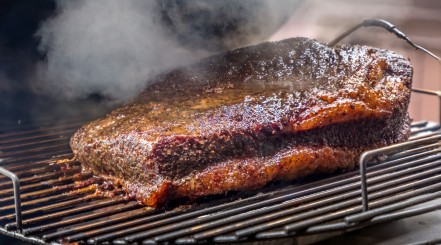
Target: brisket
[240, 119]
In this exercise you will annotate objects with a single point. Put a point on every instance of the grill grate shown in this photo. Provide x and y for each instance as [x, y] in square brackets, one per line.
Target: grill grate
[58, 204]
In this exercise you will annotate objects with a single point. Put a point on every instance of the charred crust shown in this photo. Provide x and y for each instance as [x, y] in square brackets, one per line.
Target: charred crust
[250, 103]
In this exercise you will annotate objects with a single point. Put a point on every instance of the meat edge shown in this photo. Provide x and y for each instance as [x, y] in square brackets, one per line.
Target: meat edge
[253, 173]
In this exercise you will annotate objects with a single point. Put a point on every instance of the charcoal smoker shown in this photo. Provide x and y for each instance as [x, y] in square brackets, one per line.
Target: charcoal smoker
[43, 201]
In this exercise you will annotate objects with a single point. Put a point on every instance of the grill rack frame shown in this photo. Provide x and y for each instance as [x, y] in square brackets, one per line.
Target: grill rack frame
[365, 218]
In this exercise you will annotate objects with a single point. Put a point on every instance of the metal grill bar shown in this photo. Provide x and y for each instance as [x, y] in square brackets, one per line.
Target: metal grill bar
[406, 213]
[114, 223]
[58, 205]
[33, 130]
[44, 156]
[260, 218]
[17, 198]
[46, 176]
[316, 216]
[32, 165]
[42, 185]
[65, 213]
[49, 192]
[62, 134]
[367, 156]
[63, 140]
[249, 222]
[76, 220]
[33, 150]
[411, 202]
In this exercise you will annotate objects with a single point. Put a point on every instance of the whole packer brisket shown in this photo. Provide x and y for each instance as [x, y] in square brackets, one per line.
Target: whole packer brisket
[240, 119]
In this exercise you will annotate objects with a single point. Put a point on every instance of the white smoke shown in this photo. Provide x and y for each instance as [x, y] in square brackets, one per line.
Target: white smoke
[113, 47]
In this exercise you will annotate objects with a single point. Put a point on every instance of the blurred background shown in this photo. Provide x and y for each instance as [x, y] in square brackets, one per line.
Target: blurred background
[64, 59]
[418, 19]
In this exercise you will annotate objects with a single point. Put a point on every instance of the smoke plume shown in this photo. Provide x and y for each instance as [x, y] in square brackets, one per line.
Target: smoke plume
[109, 47]
[114, 48]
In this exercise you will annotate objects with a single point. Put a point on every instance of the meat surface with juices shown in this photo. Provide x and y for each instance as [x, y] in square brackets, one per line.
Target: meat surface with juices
[243, 118]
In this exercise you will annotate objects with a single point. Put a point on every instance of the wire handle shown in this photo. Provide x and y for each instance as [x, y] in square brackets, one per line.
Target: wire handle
[369, 155]
[17, 198]
[389, 27]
